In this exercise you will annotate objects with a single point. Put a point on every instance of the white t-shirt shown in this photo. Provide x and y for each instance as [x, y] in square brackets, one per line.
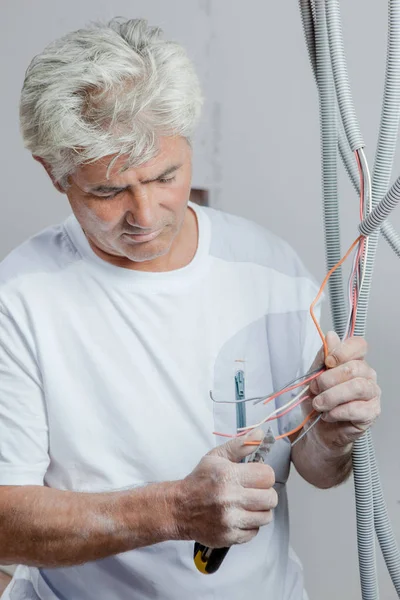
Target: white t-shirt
[105, 375]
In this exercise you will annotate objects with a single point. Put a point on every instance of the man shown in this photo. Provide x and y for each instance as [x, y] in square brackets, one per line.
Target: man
[114, 327]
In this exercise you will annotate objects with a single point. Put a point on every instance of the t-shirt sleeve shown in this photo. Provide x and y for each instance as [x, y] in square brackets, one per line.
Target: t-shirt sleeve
[24, 456]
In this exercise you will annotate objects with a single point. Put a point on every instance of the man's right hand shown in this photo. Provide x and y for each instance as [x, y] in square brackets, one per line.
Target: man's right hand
[221, 503]
[225, 502]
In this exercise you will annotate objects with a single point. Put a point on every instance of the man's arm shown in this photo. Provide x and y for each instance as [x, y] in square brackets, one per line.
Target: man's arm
[348, 397]
[40, 526]
[221, 503]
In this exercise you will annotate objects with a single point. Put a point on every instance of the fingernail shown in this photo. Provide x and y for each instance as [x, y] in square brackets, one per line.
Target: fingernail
[255, 434]
[317, 404]
[330, 361]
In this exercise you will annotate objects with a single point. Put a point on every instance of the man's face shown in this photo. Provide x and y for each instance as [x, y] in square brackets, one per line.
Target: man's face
[134, 216]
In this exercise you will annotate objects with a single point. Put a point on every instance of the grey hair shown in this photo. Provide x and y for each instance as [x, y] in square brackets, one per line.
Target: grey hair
[109, 89]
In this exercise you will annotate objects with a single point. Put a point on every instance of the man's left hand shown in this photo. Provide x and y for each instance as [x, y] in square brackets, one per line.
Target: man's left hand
[346, 394]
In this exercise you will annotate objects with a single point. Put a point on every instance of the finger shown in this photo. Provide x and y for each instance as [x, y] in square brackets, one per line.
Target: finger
[235, 450]
[357, 412]
[245, 535]
[256, 475]
[255, 519]
[351, 349]
[355, 389]
[341, 374]
[258, 500]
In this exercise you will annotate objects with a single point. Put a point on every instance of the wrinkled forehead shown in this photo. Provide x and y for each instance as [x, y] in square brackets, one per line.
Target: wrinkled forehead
[172, 152]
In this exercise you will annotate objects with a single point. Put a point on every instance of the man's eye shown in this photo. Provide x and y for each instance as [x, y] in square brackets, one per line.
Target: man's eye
[106, 197]
[167, 180]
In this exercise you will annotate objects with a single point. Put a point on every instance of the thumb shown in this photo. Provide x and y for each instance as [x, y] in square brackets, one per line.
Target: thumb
[235, 450]
[333, 341]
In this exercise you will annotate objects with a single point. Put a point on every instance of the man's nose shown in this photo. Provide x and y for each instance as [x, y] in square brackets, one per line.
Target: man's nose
[140, 209]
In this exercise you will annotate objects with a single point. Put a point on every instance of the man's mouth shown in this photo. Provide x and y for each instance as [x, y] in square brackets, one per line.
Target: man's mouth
[143, 237]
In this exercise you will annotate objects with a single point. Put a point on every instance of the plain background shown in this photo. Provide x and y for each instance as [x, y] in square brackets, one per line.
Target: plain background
[258, 152]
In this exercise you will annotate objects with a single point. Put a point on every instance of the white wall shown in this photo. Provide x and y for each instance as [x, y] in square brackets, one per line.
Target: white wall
[258, 152]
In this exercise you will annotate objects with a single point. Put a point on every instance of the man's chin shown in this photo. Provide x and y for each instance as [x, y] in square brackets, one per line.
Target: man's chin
[146, 253]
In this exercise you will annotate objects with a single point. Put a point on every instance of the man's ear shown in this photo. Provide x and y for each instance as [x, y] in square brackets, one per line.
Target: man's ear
[49, 173]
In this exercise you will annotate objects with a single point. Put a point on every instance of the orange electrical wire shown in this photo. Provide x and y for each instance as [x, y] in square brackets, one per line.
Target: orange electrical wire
[293, 387]
[321, 334]
[321, 289]
[284, 435]
[252, 443]
[296, 429]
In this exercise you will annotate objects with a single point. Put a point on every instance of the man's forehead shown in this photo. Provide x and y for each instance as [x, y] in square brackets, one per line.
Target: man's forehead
[99, 172]
[171, 154]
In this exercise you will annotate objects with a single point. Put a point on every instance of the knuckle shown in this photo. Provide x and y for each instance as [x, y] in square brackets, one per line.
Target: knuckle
[268, 475]
[273, 499]
[227, 494]
[323, 400]
[319, 384]
[360, 387]
[378, 409]
[347, 371]
[352, 369]
[371, 389]
[354, 413]
[336, 355]
[269, 515]
[227, 519]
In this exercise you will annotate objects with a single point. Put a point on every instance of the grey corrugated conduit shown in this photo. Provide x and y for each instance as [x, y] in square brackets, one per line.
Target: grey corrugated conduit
[323, 74]
[380, 213]
[391, 236]
[347, 156]
[349, 162]
[381, 520]
[339, 69]
[361, 452]
[327, 102]
[384, 531]
[385, 150]
[365, 462]
[380, 184]
[361, 461]
[382, 523]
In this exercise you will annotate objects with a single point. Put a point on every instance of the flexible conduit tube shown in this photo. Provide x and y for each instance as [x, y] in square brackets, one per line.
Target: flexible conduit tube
[391, 236]
[340, 77]
[387, 230]
[347, 156]
[361, 455]
[375, 219]
[365, 529]
[385, 150]
[318, 40]
[380, 184]
[387, 540]
[327, 99]
[381, 520]
[382, 523]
